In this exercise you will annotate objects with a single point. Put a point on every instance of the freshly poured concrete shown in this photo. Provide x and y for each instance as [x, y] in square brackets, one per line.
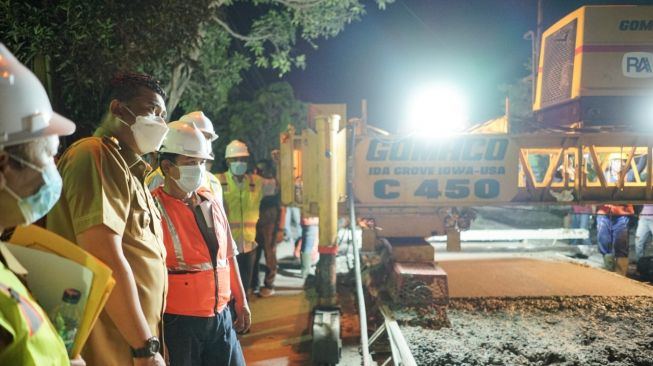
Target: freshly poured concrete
[526, 277]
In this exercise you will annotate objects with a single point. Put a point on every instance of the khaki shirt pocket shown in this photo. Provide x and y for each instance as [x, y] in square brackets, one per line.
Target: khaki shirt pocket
[140, 216]
[157, 219]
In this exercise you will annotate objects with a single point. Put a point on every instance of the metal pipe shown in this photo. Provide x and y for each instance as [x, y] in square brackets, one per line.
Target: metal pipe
[538, 35]
[327, 201]
[357, 265]
[530, 35]
[397, 340]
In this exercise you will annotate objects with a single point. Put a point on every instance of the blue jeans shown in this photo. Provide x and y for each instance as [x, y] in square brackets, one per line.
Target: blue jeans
[292, 230]
[581, 221]
[642, 235]
[612, 235]
[310, 235]
[201, 341]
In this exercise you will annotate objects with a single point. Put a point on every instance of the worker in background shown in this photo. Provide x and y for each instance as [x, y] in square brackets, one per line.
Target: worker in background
[643, 231]
[267, 227]
[242, 194]
[292, 223]
[309, 243]
[306, 246]
[612, 235]
[292, 217]
[29, 186]
[202, 270]
[107, 209]
[205, 125]
[612, 226]
[581, 218]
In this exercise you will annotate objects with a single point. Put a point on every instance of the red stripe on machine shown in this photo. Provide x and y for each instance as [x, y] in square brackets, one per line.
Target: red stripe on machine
[614, 48]
[327, 250]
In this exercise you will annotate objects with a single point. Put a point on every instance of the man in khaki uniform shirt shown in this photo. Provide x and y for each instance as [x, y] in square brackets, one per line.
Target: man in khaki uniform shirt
[106, 208]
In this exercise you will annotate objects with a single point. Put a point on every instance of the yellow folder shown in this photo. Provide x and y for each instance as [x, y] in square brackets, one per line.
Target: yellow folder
[101, 282]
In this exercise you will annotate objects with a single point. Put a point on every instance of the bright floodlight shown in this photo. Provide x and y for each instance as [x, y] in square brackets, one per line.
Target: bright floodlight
[436, 110]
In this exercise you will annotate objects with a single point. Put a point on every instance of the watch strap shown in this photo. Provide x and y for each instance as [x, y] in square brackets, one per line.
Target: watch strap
[150, 348]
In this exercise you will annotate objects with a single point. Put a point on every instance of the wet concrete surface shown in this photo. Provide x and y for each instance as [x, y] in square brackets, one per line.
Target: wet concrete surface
[526, 311]
[542, 331]
[509, 307]
[534, 277]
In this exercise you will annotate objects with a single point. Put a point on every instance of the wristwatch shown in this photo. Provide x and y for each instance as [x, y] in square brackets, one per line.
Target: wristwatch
[150, 349]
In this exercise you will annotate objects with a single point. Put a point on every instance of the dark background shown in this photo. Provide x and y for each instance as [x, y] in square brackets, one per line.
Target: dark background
[474, 44]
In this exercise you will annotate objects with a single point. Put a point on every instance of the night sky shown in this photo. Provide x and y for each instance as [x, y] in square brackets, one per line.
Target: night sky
[475, 44]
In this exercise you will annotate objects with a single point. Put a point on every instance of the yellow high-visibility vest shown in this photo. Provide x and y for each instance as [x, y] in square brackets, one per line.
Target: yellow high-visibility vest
[35, 341]
[242, 201]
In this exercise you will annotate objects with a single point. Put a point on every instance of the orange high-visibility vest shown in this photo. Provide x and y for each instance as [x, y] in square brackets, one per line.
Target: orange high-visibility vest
[195, 287]
[615, 210]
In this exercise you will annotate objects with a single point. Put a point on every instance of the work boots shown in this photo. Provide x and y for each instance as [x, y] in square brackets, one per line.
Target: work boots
[621, 265]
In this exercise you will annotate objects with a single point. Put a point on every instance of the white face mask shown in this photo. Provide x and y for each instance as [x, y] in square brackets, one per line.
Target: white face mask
[190, 177]
[148, 131]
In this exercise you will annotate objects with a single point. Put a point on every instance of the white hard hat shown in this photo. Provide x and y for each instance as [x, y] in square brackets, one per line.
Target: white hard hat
[185, 138]
[236, 149]
[25, 110]
[202, 122]
[617, 156]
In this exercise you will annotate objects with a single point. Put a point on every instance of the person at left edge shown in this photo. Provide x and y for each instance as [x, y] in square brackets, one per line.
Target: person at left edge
[29, 187]
[106, 208]
[202, 270]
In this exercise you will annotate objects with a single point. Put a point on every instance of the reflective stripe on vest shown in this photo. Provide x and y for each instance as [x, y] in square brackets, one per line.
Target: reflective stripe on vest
[245, 224]
[196, 288]
[35, 341]
[30, 314]
[225, 185]
[179, 252]
[242, 206]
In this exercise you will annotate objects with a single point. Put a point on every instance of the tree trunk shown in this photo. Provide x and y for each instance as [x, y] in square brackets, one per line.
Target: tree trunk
[178, 83]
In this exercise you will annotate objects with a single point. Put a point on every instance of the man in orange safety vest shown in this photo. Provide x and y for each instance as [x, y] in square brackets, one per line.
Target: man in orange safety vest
[202, 271]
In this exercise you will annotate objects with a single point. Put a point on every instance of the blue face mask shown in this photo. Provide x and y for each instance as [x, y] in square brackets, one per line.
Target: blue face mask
[37, 205]
[238, 167]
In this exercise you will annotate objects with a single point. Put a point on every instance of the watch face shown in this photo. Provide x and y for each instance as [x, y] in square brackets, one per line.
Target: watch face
[153, 344]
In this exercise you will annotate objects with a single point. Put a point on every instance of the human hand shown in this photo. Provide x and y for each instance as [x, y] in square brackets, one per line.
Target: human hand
[156, 360]
[280, 236]
[243, 319]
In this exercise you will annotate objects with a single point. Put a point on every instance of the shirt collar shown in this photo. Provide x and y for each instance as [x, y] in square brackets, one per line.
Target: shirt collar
[137, 166]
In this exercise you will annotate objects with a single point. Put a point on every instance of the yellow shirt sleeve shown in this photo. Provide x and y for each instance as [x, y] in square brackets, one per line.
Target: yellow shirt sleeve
[95, 186]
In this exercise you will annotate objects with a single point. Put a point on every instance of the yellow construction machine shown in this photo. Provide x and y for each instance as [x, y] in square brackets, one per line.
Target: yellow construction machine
[593, 101]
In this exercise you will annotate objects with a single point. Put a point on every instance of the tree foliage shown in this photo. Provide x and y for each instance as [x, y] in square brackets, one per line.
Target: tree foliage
[520, 96]
[258, 120]
[196, 48]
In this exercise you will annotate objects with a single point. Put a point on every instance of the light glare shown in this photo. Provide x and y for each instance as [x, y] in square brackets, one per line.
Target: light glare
[436, 110]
